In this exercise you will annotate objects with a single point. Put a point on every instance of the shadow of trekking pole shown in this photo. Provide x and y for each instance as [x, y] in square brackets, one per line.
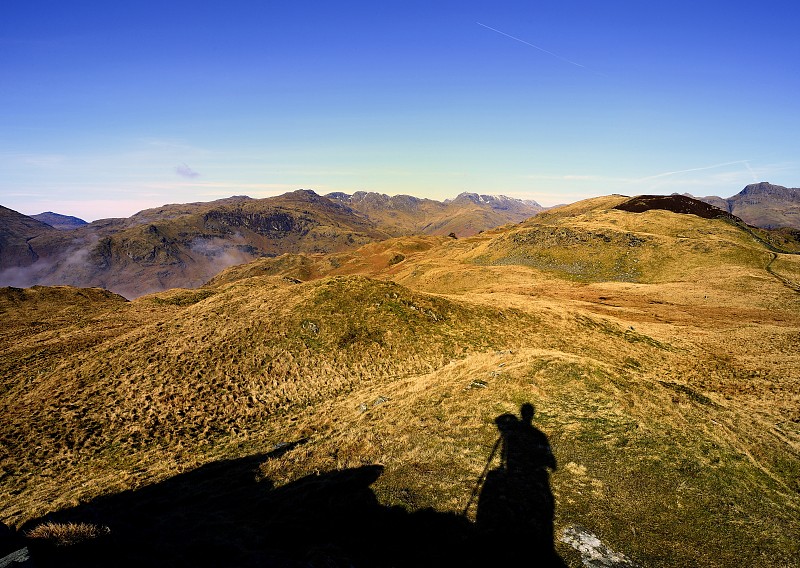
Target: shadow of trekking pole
[482, 477]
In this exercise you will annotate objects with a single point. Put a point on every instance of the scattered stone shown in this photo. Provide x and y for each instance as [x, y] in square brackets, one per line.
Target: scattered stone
[478, 384]
[594, 554]
[379, 400]
[362, 408]
[575, 469]
[19, 559]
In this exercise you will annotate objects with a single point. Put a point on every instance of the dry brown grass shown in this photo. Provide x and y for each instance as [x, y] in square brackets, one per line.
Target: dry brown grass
[671, 402]
[66, 534]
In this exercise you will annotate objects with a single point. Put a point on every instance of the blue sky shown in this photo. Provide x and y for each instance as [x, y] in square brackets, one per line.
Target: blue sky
[107, 108]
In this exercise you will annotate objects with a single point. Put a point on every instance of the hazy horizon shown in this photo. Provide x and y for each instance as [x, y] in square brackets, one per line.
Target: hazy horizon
[95, 218]
[107, 110]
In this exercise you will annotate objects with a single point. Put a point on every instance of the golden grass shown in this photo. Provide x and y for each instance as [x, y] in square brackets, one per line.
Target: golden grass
[671, 401]
[66, 534]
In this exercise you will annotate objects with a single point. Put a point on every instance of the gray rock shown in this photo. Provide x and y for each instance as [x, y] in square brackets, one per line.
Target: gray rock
[594, 554]
[17, 559]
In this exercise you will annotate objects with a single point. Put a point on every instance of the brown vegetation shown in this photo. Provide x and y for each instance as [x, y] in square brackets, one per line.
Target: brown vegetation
[658, 349]
[66, 534]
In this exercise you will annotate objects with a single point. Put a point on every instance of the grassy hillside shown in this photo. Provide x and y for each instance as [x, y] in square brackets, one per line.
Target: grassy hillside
[657, 350]
[184, 245]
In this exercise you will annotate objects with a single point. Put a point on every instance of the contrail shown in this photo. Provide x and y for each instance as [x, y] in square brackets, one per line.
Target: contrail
[532, 45]
[665, 174]
[749, 169]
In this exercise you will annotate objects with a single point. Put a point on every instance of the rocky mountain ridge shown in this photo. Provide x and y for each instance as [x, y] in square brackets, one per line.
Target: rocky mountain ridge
[184, 245]
[763, 205]
[466, 215]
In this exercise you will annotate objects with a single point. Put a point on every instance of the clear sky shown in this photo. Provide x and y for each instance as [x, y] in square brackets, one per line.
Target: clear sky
[107, 108]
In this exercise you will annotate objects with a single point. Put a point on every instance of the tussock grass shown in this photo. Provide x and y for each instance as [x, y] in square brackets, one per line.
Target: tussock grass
[670, 402]
[66, 534]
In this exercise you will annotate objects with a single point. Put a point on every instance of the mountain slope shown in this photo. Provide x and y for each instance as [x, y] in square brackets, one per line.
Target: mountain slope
[16, 232]
[185, 245]
[656, 347]
[58, 221]
[466, 215]
[763, 205]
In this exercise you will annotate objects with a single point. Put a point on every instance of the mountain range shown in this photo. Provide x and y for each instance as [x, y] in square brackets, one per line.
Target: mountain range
[369, 405]
[185, 245]
[763, 205]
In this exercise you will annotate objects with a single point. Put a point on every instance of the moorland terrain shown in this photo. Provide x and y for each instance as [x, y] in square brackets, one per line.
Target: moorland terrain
[343, 407]
[183, 245]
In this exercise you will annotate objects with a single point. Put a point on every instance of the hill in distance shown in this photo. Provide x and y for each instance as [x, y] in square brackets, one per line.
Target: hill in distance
[466, 215]
[58, 221]
[344, 408]
[763, 205]
[184, 245]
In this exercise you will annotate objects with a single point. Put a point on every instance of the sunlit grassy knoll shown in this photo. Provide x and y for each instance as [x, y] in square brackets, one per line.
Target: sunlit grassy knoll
[223, 367]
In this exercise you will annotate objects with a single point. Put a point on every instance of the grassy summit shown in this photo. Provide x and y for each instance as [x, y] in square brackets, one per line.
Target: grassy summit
[657, 349]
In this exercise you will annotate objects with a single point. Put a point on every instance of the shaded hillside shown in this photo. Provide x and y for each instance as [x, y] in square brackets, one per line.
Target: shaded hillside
[185, 245]
[675, 203]
[16, 232]
[656, 347]
[466, 215]
[763, 205]
[60, 222]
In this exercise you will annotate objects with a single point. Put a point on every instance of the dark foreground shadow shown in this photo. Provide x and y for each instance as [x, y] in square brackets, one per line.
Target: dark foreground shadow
[220, 515]
[516, 505]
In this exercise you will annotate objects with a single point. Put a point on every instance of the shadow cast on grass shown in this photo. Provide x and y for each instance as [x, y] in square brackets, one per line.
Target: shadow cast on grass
[221, 515]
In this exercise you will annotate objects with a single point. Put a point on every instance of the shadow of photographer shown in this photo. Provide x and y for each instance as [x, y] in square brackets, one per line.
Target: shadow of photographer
[516, 505]
[221, 514]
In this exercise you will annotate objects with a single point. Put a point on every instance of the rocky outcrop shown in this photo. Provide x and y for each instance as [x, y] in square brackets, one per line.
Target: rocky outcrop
[675, 203]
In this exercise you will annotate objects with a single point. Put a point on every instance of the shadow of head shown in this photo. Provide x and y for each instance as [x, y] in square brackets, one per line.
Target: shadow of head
[526, 411]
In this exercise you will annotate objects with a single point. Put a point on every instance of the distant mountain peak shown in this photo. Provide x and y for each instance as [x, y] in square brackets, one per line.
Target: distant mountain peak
[60, 222]
[761, 186]
[768, 189]
[763, 204]
[502, 202]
